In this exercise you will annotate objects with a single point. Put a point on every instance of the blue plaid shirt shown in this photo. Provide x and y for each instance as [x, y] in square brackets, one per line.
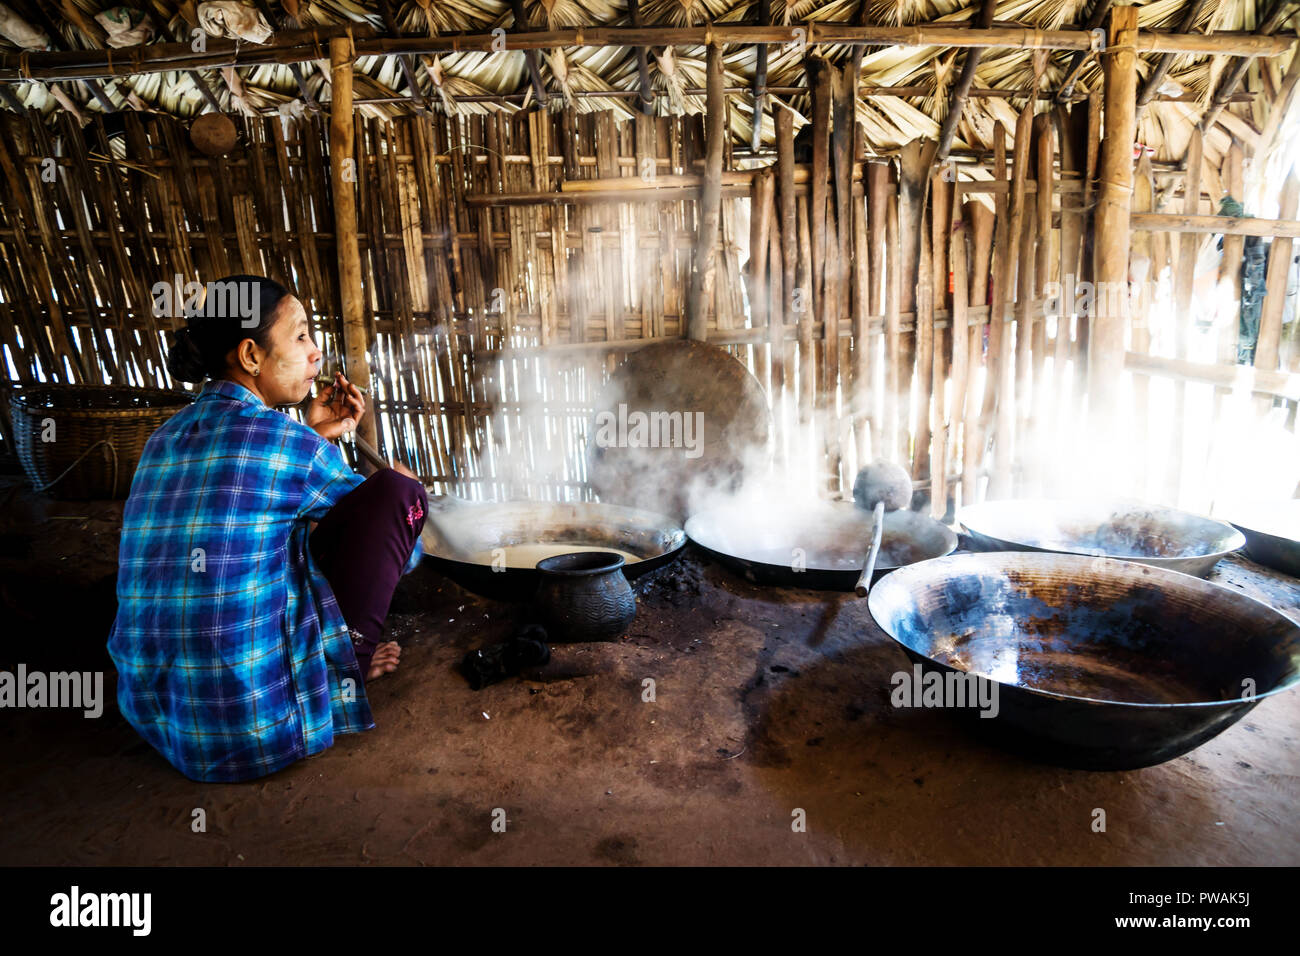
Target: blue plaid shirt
[233, 658]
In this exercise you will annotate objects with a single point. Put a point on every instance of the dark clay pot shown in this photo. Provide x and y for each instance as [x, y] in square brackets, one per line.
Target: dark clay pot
[585, 597]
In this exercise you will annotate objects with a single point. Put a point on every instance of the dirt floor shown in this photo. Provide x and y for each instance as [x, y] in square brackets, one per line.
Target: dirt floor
[766, 703]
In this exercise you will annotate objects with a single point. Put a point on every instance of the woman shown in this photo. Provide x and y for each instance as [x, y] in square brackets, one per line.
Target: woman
[243, 637]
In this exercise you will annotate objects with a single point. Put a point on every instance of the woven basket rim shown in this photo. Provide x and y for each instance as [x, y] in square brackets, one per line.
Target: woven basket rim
[173, 400]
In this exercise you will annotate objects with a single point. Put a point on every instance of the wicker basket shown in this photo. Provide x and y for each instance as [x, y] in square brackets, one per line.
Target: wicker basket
[99, 434]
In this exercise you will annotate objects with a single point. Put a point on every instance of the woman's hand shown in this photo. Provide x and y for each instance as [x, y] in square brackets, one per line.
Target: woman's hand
[336, 409]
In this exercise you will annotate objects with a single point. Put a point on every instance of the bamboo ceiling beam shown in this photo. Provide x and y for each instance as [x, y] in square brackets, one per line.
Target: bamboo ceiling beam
[642, 62]
[984, 21]
[760, 76]
[1228, 84]
[865, 91]
[294, 70]
[1157, 76]
[390, 24]
[530, 56]
[1095, 20]
[56, 43]
[298, 46]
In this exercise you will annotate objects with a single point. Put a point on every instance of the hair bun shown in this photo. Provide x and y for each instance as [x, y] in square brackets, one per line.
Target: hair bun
[184, 358]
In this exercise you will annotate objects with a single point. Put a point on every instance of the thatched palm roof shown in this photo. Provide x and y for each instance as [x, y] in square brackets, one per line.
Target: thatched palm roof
[466, 81]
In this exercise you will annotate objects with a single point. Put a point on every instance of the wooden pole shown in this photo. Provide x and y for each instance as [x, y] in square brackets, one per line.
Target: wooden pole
[1145, 274]
[642, 63]
[1157, 75]
[760, 76]
[893, 284]
[1114, 196]
[710, 201]
[1183, 281]
[1234, 248]
[961, 334]
[1279, 266]
[913, 164]
[343, 179]
[1000, 485]
[961, 89]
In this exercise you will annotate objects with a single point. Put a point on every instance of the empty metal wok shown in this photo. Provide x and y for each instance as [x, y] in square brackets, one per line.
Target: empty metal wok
[492, 548]
[821, 545]
[1099, 664]
[1272, 533]
[1112, 528]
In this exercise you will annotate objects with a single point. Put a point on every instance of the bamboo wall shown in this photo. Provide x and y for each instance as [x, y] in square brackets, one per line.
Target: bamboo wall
[503, 277]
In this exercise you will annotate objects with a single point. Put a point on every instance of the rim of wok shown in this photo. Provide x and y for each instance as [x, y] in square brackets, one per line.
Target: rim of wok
[899, 579]
[710, 517]
[601, 513]
[1246, 519]
[1113, 505]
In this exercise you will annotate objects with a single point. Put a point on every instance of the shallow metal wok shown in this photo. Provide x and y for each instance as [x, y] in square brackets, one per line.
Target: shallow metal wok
[1099, 664]
[821, 546]
[1272, 533]
[459, 538]
[1113, 528]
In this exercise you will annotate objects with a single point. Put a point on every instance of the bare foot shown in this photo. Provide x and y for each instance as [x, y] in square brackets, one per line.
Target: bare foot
[384, 661]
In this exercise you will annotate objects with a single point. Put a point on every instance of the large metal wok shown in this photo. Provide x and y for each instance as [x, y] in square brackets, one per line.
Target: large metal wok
[821, 545]
[1272, 533]
[1099, 664]
[492, 548]
[1112, 528]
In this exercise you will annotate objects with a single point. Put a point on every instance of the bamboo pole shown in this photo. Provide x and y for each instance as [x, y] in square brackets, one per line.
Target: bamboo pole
[1183, 283]
[343, 176]
[961, 89]
[893, 289]
[760, 222]
[924, 350]
[1234, 248]
[1157, 75]
[1000, 485]
[1041, 411]
[1244, 378]
[1115, 187]
[1021, 449]
[1279, 267]
[863, 342]
[997, 341]
[1215, 225]
[706, 250]
[1144, 275]
[972, 442]
[1095, 20]
[302, 45]
[819, 82]
[913, 163]
[786, 209]
[960, 336]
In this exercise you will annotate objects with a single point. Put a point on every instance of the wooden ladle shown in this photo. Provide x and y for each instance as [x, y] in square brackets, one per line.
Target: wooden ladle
[879, 487]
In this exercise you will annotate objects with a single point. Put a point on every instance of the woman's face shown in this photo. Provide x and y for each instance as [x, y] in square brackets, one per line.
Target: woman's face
[293, 361]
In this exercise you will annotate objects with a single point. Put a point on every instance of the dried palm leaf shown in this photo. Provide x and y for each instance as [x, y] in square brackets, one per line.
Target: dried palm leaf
[449, 88]
[572, 77]
[672, 83]
[450, 16]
